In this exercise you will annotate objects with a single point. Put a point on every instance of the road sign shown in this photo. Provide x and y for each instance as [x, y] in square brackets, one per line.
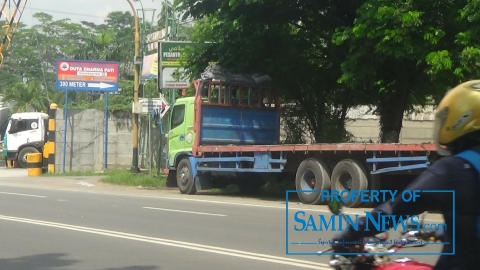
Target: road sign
[159, 105]
[170, 68]
[82, 75]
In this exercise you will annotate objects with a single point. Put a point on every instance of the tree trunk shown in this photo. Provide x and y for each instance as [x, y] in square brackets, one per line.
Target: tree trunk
[391, 111]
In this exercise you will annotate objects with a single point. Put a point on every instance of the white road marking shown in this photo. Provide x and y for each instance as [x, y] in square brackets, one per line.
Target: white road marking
[85, 184]
[182, 211]
[351, 212]
[21, 194]
[173, 243]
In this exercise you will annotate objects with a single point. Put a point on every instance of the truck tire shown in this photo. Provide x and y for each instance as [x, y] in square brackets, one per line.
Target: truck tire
[22, 156]
[349, 175]
[185, 181]
[312, 174]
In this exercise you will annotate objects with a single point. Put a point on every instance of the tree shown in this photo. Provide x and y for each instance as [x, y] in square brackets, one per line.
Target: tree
[22, 62]
[27, 96]
[403, 52]
[290, 41]
[36, 49]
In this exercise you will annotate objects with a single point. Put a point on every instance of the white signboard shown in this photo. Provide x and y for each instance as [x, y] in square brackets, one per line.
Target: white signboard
[158, 105]
[169, 82]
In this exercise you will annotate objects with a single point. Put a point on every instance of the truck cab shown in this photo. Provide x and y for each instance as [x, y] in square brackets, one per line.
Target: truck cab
[26, 133]
[181, 135]
[220, 114]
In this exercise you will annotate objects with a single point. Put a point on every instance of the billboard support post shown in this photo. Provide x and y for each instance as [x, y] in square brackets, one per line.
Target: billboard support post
[65, 123]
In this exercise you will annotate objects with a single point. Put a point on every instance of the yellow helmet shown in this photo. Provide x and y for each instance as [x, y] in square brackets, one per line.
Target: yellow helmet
[458, 114]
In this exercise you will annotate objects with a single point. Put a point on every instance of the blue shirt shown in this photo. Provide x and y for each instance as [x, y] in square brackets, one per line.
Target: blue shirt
[448, 173]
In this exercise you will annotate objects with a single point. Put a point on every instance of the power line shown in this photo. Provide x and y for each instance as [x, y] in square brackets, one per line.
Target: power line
[63, 12]
[93, 16]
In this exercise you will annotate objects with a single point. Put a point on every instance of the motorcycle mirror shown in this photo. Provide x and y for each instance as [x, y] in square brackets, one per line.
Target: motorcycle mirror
[335, 206]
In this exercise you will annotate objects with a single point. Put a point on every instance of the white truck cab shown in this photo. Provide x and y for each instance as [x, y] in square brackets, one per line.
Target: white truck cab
[26, 133]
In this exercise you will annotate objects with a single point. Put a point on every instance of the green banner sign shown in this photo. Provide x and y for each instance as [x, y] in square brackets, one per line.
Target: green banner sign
[170, 53]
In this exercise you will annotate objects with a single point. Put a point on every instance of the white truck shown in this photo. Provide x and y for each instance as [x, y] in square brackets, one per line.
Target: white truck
[26, 133]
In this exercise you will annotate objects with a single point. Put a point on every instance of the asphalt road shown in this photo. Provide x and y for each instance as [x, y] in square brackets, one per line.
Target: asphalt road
[74, 224]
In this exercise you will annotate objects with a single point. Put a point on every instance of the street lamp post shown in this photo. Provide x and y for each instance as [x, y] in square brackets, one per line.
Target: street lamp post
[136, 81]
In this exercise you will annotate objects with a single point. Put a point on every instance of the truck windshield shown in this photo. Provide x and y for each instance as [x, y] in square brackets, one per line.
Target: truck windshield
[19, 125]
[178, 116]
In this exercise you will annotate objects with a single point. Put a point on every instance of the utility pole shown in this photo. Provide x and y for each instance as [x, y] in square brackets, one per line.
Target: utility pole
[137, 62]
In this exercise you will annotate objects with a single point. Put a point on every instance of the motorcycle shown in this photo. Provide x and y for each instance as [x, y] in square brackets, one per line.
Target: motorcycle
[375, 249]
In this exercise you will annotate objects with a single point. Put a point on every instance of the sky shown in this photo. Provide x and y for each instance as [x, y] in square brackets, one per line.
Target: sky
[87, 10]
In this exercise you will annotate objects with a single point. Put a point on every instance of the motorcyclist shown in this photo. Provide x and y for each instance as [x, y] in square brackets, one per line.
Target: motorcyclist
[456, 128]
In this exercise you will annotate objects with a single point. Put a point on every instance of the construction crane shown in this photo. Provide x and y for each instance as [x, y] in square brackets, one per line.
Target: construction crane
[11, 12]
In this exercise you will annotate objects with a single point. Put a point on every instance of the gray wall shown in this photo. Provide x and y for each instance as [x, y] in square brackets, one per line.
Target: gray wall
[413, 131]
[364, 125]
[85, 141]
[85, 137]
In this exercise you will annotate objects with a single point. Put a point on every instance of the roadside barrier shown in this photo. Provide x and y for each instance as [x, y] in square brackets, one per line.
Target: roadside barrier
[34, 164]
[49, 148]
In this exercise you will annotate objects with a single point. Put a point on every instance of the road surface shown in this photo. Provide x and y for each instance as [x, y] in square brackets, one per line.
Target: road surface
[81, 223]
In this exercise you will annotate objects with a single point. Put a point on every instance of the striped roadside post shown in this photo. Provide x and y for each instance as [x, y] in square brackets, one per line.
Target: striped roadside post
[49, 152]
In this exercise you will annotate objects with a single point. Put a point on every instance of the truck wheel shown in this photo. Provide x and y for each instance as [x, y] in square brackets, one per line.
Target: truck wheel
[185, 181]
[349, 175]
[22, 156]
[312, 174]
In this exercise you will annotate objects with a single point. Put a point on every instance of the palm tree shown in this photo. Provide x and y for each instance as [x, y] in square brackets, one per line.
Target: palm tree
[27, 96]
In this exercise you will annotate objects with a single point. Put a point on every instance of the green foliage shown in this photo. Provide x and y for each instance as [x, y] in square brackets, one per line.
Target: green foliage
[324, 56]
[28, 76]
[401, 53]
[27, 96]
[119, 177]
[125, 178]
[282, 39]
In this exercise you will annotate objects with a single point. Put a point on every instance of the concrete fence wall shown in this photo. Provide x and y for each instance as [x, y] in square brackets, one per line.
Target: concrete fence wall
[417, 126]
[413, 131]
[85, 138]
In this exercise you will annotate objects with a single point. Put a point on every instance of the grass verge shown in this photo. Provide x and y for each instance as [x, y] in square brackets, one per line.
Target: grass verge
[120, 177]
[126, 178]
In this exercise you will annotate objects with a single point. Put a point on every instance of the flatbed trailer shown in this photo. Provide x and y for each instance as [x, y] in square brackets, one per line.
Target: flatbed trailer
[233, 130]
